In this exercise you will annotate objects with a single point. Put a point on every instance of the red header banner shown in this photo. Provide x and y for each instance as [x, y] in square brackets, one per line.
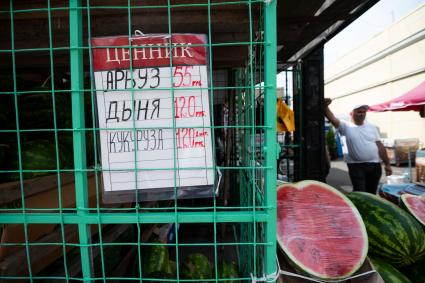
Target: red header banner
[153, 50]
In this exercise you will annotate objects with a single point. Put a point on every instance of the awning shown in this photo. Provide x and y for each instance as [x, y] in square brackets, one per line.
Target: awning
[412, 100]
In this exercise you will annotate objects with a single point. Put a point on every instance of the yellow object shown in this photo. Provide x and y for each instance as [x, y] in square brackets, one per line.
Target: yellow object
[285, 121]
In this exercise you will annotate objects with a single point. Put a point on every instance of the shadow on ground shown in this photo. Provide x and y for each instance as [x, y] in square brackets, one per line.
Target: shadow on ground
[338, 176]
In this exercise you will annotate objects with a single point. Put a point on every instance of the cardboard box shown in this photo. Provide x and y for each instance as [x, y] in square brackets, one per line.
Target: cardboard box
[405, 150]
[420, 166]
[366, 274]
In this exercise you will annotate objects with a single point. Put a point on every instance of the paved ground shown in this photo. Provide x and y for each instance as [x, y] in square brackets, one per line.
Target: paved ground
[338, 175]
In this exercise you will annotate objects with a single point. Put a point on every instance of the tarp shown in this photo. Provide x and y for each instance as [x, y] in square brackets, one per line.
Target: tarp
[285, 121]
[411, 100]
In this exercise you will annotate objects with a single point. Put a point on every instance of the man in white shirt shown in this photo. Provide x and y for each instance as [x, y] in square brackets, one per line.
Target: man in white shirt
[365, 150]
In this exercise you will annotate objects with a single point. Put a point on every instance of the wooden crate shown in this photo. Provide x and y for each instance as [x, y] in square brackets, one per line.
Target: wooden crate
[42, 192]
[39, 192]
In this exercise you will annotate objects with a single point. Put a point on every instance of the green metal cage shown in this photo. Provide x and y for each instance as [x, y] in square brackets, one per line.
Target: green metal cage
[56, 226]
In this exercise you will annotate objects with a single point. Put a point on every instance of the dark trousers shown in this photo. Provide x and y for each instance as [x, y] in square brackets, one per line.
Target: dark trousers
[365, 176]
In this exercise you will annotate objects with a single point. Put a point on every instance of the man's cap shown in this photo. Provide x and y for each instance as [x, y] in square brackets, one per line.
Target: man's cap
[361, 106]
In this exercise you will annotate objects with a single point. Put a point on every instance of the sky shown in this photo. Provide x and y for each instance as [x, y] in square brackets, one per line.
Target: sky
[374, 21]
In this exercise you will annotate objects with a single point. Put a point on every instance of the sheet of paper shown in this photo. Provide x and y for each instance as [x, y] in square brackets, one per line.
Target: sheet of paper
[145, 143]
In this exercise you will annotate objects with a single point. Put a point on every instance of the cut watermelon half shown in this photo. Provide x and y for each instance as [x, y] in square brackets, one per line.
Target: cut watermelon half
[320, 230]
[415, 205]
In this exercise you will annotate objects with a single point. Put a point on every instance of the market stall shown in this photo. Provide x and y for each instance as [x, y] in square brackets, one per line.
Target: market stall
[413, 100]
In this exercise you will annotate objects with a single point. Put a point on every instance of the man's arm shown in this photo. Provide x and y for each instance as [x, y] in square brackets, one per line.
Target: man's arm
[383, 154]
[328, 113]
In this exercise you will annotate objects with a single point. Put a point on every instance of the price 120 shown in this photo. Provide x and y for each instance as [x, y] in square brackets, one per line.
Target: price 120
[185, 107]
[190, 138]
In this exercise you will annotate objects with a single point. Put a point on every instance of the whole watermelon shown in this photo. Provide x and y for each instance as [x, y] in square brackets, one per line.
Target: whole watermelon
[36, 109]
[157, 263]
[38, 155]
[320, 230]
[4, 148]
[388, 273]
[7, 105]
[228, 271]
[394, 235]
[416, 271]
[196, 266]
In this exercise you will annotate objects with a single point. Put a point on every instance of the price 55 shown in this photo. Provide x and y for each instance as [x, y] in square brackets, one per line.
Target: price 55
[183, 77]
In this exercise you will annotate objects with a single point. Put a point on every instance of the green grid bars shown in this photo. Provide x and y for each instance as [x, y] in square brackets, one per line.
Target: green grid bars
[64, 213]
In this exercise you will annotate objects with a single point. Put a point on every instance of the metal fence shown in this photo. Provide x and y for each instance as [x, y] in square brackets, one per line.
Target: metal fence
[59, 221]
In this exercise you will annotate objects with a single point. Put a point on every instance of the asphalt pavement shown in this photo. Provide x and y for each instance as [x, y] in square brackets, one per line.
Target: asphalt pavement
[338, 175]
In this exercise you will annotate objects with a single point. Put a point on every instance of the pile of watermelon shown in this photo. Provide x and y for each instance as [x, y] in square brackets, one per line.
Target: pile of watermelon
[396, 236]
[37, 158]
[195, 266]
[326, 234]
[36, 113]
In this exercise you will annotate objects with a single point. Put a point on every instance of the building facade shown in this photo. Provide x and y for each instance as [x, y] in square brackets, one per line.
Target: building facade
[386, 66]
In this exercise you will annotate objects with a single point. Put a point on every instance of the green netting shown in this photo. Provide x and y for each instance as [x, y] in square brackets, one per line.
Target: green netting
[56, 225]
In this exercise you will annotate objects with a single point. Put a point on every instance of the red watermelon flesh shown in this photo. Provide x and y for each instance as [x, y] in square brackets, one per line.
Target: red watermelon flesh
[320, 230]
[416, 206]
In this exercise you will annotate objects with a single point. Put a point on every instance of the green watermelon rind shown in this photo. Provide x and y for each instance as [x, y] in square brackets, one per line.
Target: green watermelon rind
[37, 155]
[228, 270]
[399, 239]
[156, 261]
[415, 272]
[388, 272]
[299, 265]
[404, 198]
[196, 266]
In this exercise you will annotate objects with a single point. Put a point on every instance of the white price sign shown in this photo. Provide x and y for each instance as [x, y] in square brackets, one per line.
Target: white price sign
[145, 144]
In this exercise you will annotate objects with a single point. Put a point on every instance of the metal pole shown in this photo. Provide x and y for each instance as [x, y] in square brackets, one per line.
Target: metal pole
[270, 132]
[79, 140]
